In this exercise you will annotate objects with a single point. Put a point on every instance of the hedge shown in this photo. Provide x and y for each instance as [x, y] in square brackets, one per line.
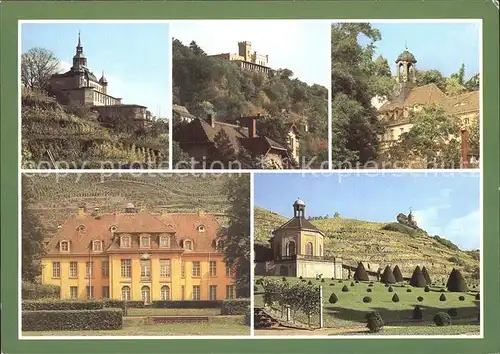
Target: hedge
[61, 305]
[188, 304]
[32, 291]
[72, 320]
[235, 307]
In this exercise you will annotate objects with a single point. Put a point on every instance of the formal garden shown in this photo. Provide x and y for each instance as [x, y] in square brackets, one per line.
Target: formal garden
[45, 315]
[391, 306]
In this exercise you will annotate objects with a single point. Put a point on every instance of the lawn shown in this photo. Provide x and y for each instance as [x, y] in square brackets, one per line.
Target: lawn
[217, 326]
[350, 310]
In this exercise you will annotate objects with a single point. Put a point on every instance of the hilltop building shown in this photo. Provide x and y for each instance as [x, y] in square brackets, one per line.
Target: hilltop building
[198, 138]
[81, 87]
[297, 249]
[407, 97]
[138, 255]
[247, 60]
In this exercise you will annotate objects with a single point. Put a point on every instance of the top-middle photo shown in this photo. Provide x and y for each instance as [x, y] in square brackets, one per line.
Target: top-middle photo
[250, 94]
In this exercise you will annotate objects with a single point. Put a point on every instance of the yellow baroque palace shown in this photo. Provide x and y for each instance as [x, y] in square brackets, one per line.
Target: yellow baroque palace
[138, 255]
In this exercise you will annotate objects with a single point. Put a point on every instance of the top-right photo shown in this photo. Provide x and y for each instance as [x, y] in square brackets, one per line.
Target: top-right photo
[406, 94]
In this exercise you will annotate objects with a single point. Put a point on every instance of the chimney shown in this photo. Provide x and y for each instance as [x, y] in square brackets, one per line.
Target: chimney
[211, 120]
[81, 210]
[251, 123]
[464, 151]
[201, 213]
[164, 211]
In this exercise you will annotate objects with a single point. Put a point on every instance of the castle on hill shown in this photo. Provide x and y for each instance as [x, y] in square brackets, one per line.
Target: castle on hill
[80, 86]
[247, 60]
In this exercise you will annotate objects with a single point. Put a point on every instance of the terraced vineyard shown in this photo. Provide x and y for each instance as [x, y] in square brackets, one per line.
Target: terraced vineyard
[357, 240]
[56, 197]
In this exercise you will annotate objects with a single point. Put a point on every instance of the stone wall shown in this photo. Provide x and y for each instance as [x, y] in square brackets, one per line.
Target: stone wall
[309, 269]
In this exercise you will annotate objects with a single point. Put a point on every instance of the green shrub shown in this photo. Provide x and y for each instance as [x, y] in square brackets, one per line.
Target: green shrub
[345, 289]
[303, 280]
[301, 277]
[246, 321]
[408, 290]
[477, 297]
[255, 288]
[333, 278]
[367, 299]
[395, 298]
[428, 279]
[284, 278]
[397, 274]
[259, 281]
[332, 284]
[386, 285]
[187, 304]
[72, 320]
[356, 281]
[417, 313]
[456, 282]
[32, 291]
[352, 284]
[310, 282]
[387, 276]
[340, 281]
[427, 289]
[369, 290]
[461, 298]
[390, 289]
[322, 280]
[360, 273]
[333, 299]
[420, 298]
[417, 279]
[397, 227]
[61, 305]
[442, 319]
[370, 285]
[375, 323]
[442, 297]
[453, 312]
[446, 243]
[442, 290]
[235, 307]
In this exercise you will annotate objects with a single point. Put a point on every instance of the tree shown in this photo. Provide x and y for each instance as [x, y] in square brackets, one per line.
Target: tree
[360, 273]
[427, 277]
[180, 159]
[460, 75]
[37, 66]
[473, 83]
[225, 150]
[355, 82]
[397, 274]
[454, 87]
[425, 77]
[432, 142]
[236, 237]
[456, 282]
[417, 279]
[32, 236]
[387, 276]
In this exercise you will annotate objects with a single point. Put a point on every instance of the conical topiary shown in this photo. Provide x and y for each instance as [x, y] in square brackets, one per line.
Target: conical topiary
[395, 298]
[333, 299]
[387, 276]
[417, 279]
[427, 277]
[360, 273]
[390, 289]
[417, 313]
[442, 297]
[345, 289]
[456, 282]
[397, 274]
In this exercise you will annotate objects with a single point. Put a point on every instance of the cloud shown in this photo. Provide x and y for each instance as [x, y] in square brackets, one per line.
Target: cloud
[63, 66]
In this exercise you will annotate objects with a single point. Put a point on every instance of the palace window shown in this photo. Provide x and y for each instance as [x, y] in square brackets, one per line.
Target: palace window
[183, 269]
[105, 269]
[56, 269]
[229, 271]
[64, 246]
[126, 293]
[201, 228]
[213, 292]
[73, 292]
[89, 270]
[165, 266]
[229, 291]
[73, 269]
[183, 292]
[188, 245]
[196, 269]
[309, 249]
[97, 246]
[126, 265]
[90, 292]
[164, 241]
[145, 241]
[146, 294]
[105, 292]
[290, 248]
[125, 242]
[196, 292]
[145, 268]
[213, 268]
[165, 293]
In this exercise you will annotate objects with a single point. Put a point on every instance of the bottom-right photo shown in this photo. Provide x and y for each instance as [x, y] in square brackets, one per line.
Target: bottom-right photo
[367, 254]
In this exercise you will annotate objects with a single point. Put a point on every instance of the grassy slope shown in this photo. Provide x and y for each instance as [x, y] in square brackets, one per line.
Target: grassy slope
[350, 310]
[55, 198]
[357, 240]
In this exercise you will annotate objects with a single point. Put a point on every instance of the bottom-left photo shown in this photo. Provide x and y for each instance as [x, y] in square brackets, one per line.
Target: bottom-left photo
[135, 254]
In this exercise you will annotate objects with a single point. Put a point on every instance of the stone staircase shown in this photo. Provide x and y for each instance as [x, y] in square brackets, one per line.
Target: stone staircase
[262, 320]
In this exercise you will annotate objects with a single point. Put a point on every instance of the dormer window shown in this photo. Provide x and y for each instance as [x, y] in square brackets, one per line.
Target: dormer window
[164, 241]
[201, 228]
[188, 245]
[125, 242]
[64, 246]
[113, 228]
[97, 246]
[145, 241]
[81, 228]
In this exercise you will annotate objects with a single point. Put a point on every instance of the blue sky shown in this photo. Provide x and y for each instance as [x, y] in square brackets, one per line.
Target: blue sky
[446, 204]
[301, 46]
[135, 57]
[442, 46]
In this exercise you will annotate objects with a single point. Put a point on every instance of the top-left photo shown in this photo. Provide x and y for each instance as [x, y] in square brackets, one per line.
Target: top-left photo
[94, 95]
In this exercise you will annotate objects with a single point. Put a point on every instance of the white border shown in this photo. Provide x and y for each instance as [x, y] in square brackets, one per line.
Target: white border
[340, 173]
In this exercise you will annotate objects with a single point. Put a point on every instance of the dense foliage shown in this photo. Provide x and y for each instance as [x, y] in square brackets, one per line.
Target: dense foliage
[360, 273]
[375, 323]
[397, 274]
[235, 307]
[456, 282]
[417, 279]
[34, 291]
[387, 276]
[442, 319]
[426, 275]
[72, 320]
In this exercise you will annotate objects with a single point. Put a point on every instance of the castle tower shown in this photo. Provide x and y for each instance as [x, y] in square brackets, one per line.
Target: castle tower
[79, 59]
[104, 83]
[405, 74]
[299, 209]
[245, 50]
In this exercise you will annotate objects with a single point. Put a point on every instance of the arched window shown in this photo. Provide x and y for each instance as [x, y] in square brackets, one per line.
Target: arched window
[125, 241]
[146, 294]
[97, 246]
[126, 293]
[164, 241]
[165, 292]
[290, 250]
[145, 241]
[309, 249]
[64, 246]
[188, 245]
